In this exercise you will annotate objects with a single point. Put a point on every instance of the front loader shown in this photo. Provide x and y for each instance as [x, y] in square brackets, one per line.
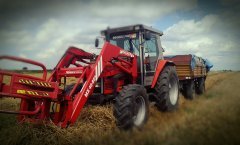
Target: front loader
[129, 71]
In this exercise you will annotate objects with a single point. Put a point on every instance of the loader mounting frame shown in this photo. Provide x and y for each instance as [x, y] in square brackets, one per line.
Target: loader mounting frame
[46, 100]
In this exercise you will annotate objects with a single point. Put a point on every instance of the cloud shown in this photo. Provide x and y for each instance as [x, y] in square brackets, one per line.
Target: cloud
[140, 8]
[48, 30]
[44, 30]
[204, 38]
[28, 13]
[22, 55]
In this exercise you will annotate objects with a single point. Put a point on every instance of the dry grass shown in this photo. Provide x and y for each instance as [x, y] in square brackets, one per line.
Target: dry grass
[212, 118]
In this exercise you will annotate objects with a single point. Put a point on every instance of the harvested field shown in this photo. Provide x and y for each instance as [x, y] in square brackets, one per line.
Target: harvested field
[212, 118]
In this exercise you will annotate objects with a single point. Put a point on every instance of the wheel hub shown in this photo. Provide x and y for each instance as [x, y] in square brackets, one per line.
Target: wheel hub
[139, 111]
[173, 91]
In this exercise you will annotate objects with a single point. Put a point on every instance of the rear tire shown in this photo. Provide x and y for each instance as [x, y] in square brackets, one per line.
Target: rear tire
[189, 90]
[200, 86]
[131, 107]
[167, 89]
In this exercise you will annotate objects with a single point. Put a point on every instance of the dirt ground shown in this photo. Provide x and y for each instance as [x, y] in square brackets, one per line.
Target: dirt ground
[212, 118]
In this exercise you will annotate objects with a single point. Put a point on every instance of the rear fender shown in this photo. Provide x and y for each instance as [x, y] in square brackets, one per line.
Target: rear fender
[161, 64]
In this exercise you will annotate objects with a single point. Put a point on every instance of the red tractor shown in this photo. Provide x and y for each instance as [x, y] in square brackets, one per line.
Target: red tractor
[130, 71]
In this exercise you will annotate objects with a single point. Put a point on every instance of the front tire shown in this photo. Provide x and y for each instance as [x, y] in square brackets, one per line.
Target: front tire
[167, 89]
[69, 88]
[131, 107]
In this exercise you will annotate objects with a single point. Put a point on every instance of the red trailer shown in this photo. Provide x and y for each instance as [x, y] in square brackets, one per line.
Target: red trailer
[192, 73]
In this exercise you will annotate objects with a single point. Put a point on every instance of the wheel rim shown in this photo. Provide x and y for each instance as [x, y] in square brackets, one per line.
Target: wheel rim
[173, 91]
[139, 111]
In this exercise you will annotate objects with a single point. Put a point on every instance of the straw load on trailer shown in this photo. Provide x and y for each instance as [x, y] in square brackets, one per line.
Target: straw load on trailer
[192, 72]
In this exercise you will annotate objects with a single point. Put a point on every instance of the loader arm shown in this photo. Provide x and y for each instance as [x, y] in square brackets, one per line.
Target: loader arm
[108, 54]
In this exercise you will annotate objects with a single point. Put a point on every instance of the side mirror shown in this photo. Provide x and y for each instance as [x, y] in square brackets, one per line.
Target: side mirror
[96, 42]
[147, 35]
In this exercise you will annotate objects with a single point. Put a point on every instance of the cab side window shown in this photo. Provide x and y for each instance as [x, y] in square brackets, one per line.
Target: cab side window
[151, 46]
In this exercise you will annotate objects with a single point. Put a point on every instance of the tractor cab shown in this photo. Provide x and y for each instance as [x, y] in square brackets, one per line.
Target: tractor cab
[142, 41]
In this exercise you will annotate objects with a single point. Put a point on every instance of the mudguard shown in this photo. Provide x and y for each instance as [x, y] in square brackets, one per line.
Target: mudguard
[161, 64]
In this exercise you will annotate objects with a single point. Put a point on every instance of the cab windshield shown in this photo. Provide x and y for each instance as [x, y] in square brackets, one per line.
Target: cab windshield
[129, 42]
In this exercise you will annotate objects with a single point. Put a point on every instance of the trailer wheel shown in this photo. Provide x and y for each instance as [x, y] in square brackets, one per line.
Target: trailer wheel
[131, 107]
[167, 89]
[200, 86]
[189, 90]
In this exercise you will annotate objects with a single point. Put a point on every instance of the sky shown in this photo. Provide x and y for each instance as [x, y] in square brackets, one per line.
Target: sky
[43, 30]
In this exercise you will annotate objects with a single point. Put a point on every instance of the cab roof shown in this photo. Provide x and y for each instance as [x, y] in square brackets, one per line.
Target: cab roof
[131, 28]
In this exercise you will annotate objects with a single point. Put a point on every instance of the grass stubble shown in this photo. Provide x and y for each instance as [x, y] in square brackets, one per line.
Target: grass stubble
[212, 118]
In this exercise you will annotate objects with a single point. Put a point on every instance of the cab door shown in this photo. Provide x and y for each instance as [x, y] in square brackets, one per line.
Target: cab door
[151, 54]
